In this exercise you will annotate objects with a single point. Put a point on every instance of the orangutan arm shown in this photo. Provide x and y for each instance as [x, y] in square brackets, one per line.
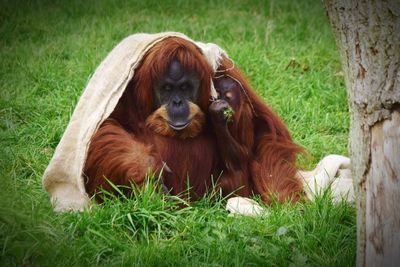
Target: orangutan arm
[234, 155]
[235, 177]
[118, 156]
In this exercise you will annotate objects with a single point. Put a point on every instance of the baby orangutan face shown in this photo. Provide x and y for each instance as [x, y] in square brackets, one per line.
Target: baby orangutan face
[226, 107]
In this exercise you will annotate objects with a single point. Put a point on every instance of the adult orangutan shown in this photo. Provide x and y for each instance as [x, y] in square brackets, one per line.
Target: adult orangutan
[254, 143]
[159, 119]
[165, 117]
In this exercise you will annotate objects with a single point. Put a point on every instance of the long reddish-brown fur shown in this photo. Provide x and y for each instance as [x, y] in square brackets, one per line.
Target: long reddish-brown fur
[119, 156]
[134, 139]
[265, 143]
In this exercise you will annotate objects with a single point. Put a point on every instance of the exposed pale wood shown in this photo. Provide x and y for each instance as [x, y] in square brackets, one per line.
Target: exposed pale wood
[368, 36]
[383, 195]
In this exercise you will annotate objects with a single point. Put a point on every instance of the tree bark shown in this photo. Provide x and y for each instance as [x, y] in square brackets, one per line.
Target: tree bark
[368, 36]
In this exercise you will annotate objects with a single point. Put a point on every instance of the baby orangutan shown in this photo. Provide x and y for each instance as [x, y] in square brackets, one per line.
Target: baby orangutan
[254, 144]
[225, 113]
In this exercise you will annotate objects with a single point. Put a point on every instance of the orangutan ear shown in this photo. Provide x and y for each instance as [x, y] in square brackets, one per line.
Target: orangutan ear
[158, 122]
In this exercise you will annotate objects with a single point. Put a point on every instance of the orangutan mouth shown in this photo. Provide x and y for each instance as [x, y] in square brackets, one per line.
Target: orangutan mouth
[178, 127]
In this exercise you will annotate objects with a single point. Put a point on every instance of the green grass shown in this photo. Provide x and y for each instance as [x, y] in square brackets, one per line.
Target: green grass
[48, 50]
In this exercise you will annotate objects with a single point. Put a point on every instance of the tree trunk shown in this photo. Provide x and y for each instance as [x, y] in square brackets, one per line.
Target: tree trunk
[367, 34]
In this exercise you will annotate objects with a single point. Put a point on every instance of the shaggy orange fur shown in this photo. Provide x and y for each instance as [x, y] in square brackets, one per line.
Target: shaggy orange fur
[254, 155]
[137, 137]
[262, 142]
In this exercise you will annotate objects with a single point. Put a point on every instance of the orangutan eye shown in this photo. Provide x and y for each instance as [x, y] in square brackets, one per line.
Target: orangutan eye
[186, 86]
[228, 95]
[167, 87]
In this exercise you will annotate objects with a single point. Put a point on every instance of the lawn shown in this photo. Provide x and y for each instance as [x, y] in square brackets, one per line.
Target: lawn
[48, 51]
